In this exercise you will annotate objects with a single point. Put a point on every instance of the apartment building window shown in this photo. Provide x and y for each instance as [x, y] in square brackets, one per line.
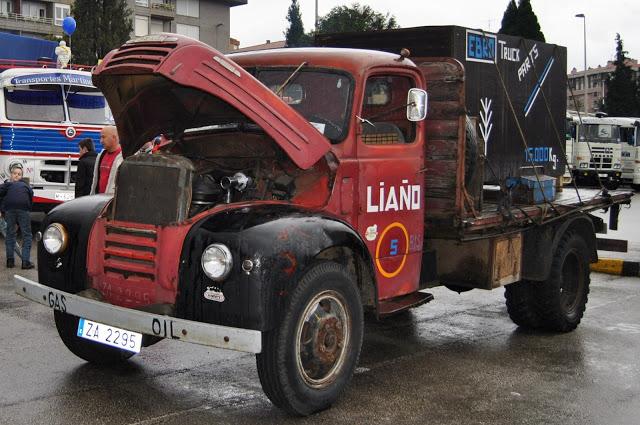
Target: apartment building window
[143, 3]
[34, 9]
[141, 26]
[188, 8]
[61, 11]
[6, 7]
[192, 31]
[158, 26]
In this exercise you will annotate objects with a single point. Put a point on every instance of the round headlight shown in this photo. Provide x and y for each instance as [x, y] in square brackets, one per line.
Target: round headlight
[216, 261]
[55, 238]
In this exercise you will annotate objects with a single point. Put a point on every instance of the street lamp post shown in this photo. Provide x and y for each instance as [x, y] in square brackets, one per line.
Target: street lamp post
[584, 22]
[316, 15]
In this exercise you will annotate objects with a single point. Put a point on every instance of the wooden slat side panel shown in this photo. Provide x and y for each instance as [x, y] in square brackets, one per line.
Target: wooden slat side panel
[441, 129]
[444, 110]
[441, 149]
[440, 174]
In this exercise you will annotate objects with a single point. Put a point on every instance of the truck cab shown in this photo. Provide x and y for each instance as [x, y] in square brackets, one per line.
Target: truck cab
[597, 152]
[630, 143]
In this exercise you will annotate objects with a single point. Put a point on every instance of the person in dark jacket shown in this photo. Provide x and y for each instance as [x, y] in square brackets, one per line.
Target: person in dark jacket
[17, 200]
[84, 174]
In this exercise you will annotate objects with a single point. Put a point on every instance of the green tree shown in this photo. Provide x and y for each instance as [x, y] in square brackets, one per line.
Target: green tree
[102, 25]
[355, 18]
[528, 26]
[510, 19]
[622, 89]
[295, 36]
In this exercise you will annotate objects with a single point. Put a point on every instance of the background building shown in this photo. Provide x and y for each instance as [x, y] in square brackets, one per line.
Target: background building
[205, 20]
[596, 84]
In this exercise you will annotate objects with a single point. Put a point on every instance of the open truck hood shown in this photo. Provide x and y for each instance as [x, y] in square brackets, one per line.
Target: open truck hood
[166, 84]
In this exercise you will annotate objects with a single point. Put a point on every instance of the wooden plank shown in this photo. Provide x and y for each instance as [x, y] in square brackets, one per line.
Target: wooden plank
[441, 149]
[442, 91]
[445, 110]
[442, 129]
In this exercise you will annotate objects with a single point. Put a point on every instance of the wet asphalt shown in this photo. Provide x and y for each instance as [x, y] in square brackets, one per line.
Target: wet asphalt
[457, 360]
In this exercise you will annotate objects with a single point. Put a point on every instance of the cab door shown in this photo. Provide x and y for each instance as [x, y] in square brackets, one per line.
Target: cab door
[391, 184]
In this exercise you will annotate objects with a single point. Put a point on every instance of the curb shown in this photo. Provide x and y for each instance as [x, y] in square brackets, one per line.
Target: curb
[616, 267]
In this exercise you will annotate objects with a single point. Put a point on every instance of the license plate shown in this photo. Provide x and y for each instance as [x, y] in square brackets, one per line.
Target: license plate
[602, 175]
[63, 196]
[110, 335]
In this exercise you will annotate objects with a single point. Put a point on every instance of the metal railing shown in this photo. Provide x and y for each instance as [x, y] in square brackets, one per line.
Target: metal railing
[171, 7]
[26, 18]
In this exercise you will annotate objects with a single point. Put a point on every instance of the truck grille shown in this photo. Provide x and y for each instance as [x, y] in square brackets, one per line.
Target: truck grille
[601, 157]
[130, 252]
[599, 162]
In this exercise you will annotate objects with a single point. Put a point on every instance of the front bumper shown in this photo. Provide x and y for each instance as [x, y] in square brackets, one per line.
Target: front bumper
[604, 174]
[237, 339]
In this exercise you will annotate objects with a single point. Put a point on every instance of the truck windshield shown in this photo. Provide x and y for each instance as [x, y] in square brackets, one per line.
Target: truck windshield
[600, 133]
[323, 97]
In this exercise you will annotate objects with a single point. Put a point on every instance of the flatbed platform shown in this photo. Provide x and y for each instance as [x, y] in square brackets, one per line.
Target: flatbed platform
[497, 217]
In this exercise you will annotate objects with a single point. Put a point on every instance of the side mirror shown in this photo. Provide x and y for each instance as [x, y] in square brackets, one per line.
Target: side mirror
[417, 105]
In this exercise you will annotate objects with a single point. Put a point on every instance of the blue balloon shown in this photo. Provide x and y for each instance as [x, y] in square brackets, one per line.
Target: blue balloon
[68, 25]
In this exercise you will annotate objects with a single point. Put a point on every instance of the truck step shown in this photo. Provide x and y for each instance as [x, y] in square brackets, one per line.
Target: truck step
[404, 302]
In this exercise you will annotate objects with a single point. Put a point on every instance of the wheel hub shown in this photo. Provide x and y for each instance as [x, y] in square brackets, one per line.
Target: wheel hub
[323, 335]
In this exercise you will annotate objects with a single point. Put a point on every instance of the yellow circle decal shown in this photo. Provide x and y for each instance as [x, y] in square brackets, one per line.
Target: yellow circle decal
[394, 273]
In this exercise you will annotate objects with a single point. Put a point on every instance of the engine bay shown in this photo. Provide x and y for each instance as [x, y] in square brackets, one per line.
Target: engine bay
[222, 167]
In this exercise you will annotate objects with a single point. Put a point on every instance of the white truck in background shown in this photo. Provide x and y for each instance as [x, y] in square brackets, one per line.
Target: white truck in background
[596, 152]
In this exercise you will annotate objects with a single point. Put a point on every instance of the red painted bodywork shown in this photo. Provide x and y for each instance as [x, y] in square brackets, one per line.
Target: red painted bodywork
[396, 243]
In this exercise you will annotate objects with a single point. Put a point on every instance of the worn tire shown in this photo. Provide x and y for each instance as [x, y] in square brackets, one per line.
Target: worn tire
[563, 297]
[291, 370]
[94, 353]
[522, 305]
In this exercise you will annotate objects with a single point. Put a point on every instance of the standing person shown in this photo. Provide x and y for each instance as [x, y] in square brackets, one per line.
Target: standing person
[107, 162]
[84, 174]
[17, 200]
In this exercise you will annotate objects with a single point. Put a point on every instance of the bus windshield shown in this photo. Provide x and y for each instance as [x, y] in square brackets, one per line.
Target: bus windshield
[34, 103]
[46, 103]
[87, 106]
[600, 133]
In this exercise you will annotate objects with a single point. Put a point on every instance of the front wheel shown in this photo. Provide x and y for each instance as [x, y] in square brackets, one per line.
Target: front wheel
[93, 352]
[310, 357]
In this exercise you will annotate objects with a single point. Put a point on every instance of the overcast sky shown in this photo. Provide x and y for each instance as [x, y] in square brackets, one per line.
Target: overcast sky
[262, 20]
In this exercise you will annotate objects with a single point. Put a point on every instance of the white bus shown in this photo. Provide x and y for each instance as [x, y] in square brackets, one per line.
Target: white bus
[44, 113]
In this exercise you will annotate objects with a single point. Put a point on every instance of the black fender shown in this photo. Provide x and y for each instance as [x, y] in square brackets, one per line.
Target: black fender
[67, 271]
[540, 245]
[272, 247]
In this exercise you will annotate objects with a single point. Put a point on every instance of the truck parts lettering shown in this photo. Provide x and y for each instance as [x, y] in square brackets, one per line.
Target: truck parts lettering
[509, 53]
[528, 62]
[404, 198]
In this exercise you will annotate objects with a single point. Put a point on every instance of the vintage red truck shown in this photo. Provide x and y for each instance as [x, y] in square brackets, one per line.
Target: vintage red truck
[294, 191]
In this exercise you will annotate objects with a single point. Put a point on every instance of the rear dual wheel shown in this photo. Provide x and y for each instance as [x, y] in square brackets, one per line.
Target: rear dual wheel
[309, 359]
